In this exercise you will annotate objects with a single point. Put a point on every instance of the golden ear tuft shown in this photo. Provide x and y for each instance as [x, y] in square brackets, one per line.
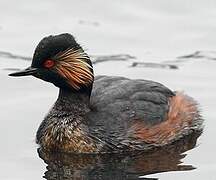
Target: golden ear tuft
[73, 66]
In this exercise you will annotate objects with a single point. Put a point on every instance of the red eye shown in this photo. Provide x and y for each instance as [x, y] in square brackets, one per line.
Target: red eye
[48, 63]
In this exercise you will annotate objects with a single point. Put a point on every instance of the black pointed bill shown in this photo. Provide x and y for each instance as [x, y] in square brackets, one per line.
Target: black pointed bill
[26, 72]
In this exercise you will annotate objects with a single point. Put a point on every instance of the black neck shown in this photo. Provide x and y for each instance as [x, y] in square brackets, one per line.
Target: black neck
[73, 96]
[74, 102]
[66, 89]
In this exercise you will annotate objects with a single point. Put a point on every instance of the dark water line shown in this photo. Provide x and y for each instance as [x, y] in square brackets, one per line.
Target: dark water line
[200, 55]
[154, 65]
[96, 59]
[14, 56]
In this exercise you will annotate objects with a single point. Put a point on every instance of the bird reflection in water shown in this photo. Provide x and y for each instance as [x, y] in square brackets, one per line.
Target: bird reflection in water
[62, 166]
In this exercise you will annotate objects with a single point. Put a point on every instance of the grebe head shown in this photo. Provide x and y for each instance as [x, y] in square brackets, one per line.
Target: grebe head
[60, 59]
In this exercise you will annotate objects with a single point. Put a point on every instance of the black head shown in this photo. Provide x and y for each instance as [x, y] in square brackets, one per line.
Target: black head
[60, 59]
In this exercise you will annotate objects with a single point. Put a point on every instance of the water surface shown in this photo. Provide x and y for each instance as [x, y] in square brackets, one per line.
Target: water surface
[152, 34]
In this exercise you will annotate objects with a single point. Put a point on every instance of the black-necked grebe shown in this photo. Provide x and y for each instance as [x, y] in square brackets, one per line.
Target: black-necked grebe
[105, 114]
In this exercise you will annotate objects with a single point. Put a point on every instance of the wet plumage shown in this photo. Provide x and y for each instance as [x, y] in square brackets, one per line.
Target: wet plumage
[105, 114]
